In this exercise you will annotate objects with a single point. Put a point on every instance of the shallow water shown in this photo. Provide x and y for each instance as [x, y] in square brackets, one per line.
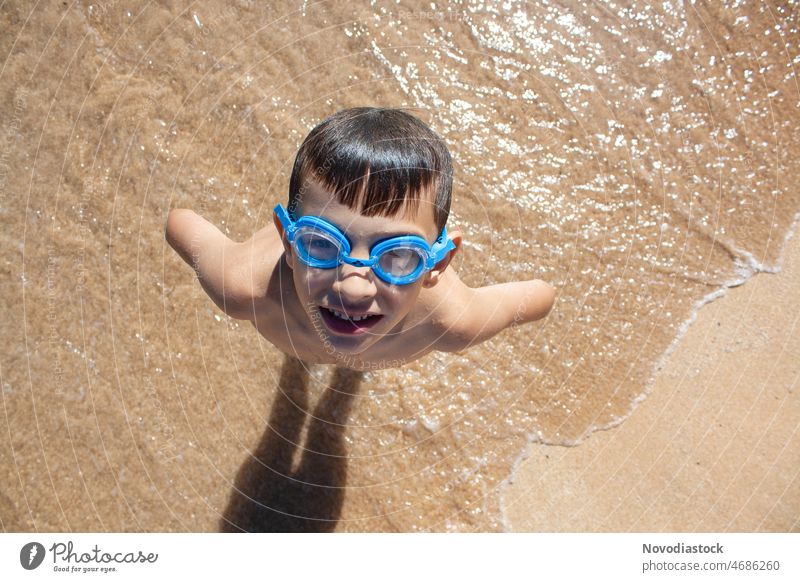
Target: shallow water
[639, 158]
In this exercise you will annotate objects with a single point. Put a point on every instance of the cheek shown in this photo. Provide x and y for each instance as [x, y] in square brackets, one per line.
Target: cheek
[402, 298]
[313, 281]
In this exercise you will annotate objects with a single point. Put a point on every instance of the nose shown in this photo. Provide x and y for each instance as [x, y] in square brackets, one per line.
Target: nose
[355, 284]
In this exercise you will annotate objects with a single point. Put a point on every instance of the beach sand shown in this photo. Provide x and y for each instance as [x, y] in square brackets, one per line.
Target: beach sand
[714, 447]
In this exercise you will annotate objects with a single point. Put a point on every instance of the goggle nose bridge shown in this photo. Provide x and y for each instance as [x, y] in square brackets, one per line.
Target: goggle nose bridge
[355, 262]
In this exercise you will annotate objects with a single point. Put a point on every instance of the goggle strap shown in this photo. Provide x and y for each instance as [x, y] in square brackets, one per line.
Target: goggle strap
[286, 220]
[441, 246]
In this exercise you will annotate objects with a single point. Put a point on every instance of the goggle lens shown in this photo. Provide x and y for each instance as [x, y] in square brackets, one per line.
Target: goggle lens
[400, 262]
[318, 245]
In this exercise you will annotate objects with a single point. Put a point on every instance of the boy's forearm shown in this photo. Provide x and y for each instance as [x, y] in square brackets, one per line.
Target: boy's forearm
[530, 300]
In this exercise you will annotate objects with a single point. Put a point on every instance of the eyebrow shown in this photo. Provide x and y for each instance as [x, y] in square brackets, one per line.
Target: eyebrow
[405, 233]
[385, 236]
[389, 235]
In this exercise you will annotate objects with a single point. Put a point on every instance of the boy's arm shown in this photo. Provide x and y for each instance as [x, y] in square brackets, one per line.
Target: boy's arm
[482, 313]
[228, 271]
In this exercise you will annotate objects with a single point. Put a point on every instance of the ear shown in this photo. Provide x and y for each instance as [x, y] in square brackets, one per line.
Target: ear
[434, 275]
[287, 248]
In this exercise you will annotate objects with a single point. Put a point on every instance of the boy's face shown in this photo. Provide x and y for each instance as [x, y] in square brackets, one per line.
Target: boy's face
[356, 291]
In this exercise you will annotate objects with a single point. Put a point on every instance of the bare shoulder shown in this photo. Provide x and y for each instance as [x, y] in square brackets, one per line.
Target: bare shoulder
[461, 316]
[252, 271]
[443, 306]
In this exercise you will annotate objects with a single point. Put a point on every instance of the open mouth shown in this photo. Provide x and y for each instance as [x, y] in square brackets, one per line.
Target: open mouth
[338, 322]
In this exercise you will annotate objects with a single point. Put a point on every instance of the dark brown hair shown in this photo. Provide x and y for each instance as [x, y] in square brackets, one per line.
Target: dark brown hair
[375, 161]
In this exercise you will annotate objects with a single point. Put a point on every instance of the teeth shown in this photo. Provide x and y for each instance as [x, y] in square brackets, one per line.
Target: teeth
[341, 315]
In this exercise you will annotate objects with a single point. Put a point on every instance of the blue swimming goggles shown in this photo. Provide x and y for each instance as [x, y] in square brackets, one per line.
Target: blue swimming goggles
[399, 260]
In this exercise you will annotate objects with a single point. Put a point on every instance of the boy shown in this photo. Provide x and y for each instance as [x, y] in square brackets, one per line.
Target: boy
[354, 271]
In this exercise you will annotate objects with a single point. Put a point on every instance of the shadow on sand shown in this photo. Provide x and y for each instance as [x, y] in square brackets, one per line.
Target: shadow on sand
[269, 495]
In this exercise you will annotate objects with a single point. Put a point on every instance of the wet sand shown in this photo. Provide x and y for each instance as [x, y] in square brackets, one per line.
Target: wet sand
[715, 445]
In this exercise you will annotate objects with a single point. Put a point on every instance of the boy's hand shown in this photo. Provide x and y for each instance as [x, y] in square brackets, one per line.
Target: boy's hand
[233, 274]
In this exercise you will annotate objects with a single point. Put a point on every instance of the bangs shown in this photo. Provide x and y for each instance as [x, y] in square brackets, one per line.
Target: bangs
[378, 162]
[380, 184]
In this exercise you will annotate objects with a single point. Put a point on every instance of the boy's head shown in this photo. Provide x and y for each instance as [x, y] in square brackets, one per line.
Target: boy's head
[374, 174]
[378, 162]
